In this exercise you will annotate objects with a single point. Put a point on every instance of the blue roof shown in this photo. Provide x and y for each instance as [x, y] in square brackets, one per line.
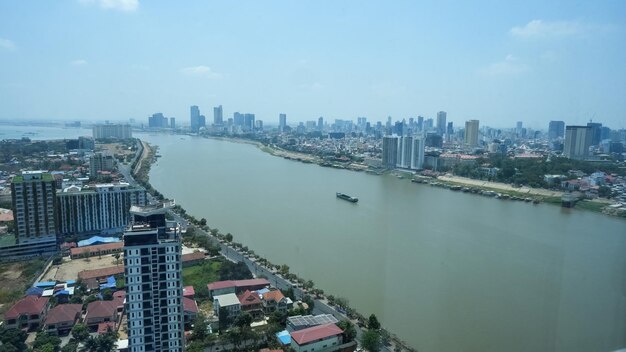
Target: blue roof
[62, 292]
[284, 337]
[110, 283]
[70, 282]
[262, 291]
[34, 291]
[97, 240]
[45, 284]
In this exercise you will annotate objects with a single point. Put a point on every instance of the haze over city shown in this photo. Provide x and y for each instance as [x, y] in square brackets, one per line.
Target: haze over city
[496, 62]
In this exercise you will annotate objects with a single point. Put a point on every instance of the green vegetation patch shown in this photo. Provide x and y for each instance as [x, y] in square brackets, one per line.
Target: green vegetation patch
[7, 240]
[200, 275]
[590, 205]
[16, 278]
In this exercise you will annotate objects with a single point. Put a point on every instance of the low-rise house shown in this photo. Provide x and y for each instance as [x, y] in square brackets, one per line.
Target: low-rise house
[319, 338]
[190, 310]
[100, 249]
[194, 258]
[229, 302]
[251, 303]
[28, 313]
[189, 292]
[61, 319]
[101, 312]
[275, 301]
[236, 286]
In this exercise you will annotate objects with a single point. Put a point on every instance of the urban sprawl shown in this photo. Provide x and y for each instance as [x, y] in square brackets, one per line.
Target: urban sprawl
[94, 259]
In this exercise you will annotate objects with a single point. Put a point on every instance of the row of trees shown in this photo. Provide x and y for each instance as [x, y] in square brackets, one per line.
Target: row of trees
[14, 340]
[530, 171]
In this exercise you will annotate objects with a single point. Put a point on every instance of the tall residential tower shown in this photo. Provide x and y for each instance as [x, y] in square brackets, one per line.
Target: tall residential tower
[153, 272]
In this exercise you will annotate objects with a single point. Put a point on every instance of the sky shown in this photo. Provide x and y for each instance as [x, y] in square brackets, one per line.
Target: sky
[495, 61]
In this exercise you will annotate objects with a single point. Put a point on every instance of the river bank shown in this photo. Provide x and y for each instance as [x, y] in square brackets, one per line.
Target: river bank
[239, 251]
[523, 193]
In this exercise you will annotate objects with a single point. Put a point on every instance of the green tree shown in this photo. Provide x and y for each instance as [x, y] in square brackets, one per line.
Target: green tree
[349, 332]
[45, 342]
[373, 323]
[200, 327]
[371, 341]
[203, 222]
[228, 237]
[12, 338]
[243, 321]
[117, 258]
[80, 332]
[71, 346]
[107, 294]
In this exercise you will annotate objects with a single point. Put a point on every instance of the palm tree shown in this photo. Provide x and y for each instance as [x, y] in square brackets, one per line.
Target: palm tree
[117, 258]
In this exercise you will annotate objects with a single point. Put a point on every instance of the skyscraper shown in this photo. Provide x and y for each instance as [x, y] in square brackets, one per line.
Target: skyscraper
[471, 133]
[405, 155]
[282, 122]
[248, 122]
[172, 122]
[596, 132]
[390, 152]
[577, 142]
[320, 123]
[157, 120]
[441, 123]
[417, 156]
[218, 116]
[194, 122]
[153, 273]
[33, 196]
[556, 129]
[449, 131]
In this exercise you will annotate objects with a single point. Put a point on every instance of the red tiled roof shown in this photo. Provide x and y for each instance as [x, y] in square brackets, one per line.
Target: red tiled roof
[103, 272]
[248, 298]
[193, 256]
[274, 295]
[63, 313]
[28, 305]
[319, 332]
[103, 328]
[188, 291]
[119, 294]
[101, 309]
[237, 283]
[190, 305]
[97, 248]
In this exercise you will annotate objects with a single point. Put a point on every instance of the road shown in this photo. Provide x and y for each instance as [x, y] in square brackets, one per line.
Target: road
[230, 253]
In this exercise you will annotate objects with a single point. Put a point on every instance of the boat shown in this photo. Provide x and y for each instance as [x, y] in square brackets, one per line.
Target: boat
[347, 197]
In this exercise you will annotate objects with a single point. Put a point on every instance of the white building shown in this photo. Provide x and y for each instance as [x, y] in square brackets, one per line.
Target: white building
[321, 338]
[230, 302]
[153, 272]
[99, 209]
[577, 142]
[117, 131]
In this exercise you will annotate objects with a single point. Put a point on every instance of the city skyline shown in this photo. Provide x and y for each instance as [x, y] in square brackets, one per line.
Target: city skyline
[532, 62]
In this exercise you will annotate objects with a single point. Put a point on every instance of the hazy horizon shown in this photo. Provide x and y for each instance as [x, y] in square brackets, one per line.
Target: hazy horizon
[96, 60]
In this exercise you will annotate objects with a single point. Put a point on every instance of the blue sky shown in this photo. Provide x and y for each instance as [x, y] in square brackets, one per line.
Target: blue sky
[496, 61]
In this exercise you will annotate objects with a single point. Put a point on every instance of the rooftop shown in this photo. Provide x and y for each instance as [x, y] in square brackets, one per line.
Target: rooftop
[63, 313]
[190, 305]
[100, 309]
[28, 305]
[96, 248]
[315, 333]
[228, 299]
[237, 283]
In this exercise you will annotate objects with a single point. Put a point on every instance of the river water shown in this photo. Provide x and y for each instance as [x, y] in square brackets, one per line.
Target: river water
[446, 271]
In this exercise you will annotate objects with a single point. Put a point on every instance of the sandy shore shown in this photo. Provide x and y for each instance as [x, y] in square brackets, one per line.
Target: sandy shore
[501, 186]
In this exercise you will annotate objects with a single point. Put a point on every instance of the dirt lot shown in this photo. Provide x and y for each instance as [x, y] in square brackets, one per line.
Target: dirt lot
[501, 186]
[70, 268]
[115, 149]
[15, 278]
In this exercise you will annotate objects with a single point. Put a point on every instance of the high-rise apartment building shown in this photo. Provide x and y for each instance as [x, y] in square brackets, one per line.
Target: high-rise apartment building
[471, 133]
[248, 122]
[100, 162]
[218, 116]
[441, 123]
[34, 212]
[405, 152]
[578, 139]
[157, 120]
[417, 157]
[110, 130]
[282, 122]
[320, 123]
[153, 273]
[519, 128]
[172, 122]
[449, 131]
[556, 129]
[100, 209]
[390, 152]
